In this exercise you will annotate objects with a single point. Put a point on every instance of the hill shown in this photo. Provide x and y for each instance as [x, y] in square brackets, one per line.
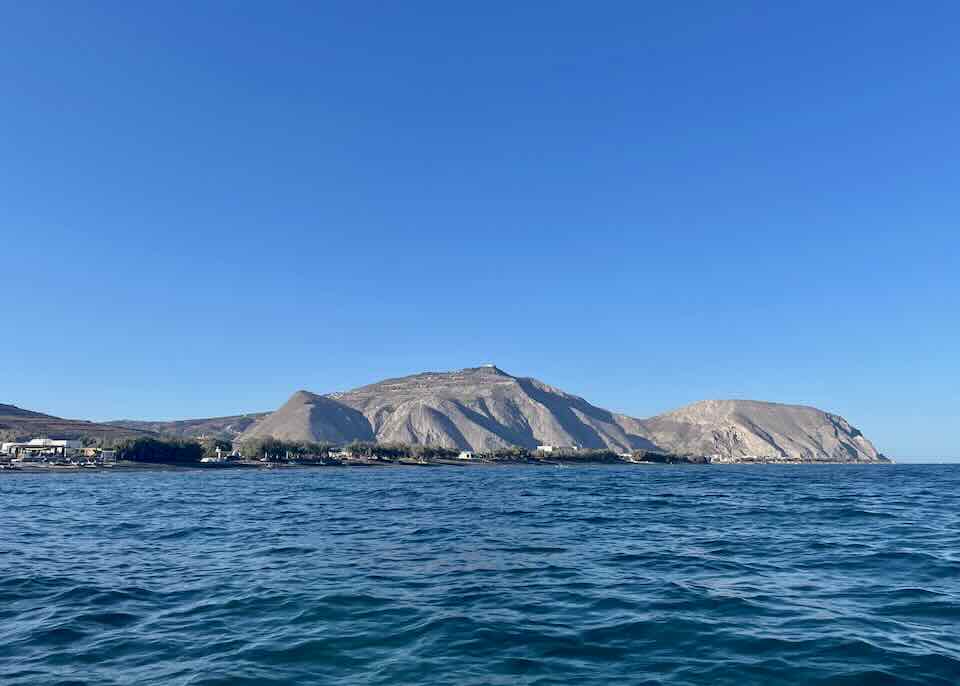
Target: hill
[216, 427]
[750, 428]
[481, 408]
[17, 424]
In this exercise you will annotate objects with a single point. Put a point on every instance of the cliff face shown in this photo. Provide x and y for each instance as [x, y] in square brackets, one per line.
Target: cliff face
[748, 428]
[482, 408]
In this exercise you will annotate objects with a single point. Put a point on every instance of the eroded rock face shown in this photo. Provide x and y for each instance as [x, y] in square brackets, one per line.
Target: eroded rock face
[750, 428]
[480, 408]
[485, 408]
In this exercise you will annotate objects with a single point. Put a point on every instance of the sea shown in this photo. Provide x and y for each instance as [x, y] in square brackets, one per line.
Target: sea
[760, 574]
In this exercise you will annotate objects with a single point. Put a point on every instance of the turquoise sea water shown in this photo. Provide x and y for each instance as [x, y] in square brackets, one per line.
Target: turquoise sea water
[506, 575]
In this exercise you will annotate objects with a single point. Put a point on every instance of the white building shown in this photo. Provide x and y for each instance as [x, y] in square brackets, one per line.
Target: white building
[42, 447]
[222, 456]
[50, 443]
[556, 448]
[465, 455]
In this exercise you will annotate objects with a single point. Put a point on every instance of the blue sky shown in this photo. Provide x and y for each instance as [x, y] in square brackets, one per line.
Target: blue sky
[206, 206]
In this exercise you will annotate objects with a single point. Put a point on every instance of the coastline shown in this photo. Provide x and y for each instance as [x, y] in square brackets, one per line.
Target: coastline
[130, 466]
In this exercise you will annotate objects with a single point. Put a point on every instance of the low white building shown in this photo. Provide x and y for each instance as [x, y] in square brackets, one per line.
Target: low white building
[556, 448]
[465, 455]
[222, 456]
[38, 447]
[52, 443]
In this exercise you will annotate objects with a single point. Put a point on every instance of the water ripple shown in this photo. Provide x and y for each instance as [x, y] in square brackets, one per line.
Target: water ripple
[661, 575]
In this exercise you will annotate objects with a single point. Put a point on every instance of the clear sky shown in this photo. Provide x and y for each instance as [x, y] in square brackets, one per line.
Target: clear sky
[207, 206]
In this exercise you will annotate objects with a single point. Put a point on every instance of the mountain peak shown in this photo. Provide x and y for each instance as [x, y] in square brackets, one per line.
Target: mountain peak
[489, 368]
[302, 396]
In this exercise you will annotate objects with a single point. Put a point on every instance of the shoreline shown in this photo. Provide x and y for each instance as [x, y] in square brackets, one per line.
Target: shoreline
[126, 467]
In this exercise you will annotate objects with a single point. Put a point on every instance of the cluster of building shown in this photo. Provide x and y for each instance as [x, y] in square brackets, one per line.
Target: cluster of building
[53, 451]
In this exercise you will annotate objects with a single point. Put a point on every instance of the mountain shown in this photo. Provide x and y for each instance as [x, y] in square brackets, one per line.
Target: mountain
[481, 408]
[485, 408]
[310, 417]
[216, 427]
[17, 424]
[743, 428]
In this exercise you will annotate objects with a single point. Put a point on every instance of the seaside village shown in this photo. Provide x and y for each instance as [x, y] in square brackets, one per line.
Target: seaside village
[53, 453]
[47, 451]
[367, 453]
[347, 453]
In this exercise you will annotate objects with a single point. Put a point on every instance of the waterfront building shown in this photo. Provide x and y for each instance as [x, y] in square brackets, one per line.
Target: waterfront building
[43, 448]
[53, 450]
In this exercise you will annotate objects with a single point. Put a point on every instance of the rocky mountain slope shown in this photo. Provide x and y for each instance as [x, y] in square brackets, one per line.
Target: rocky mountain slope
[316, 418]
[17, 424]
[485, 408]
[481, 408]
[749, 428]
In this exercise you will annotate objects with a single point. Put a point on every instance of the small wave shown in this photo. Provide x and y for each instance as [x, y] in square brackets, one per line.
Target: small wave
[386, 577]
[288, 550]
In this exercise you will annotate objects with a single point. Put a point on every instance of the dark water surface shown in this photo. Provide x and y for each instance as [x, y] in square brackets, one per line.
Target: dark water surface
[510, 575]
